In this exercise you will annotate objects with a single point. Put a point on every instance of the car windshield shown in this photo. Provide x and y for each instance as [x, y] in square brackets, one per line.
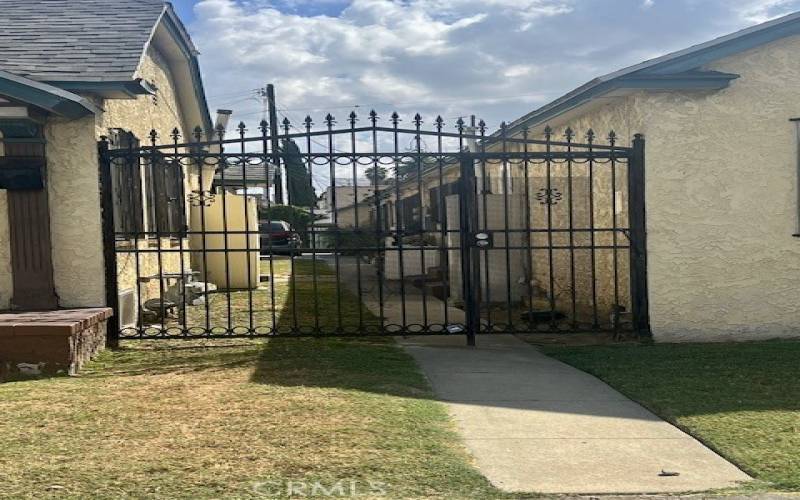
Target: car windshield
[273, 226]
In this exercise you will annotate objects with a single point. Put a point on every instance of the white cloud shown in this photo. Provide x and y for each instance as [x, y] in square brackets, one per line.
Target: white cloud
[759, 11]
[496, 58]
[417, 54]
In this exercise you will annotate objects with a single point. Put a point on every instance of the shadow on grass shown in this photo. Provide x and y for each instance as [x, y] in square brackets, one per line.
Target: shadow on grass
[159, 357]
[697, 379]
[742, 400]
[363, 363]
[370, 365]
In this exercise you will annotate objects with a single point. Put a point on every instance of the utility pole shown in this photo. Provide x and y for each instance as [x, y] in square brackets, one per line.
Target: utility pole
[273, 132]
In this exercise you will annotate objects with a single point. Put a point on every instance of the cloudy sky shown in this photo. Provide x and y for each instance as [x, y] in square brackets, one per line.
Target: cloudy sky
[497, 59]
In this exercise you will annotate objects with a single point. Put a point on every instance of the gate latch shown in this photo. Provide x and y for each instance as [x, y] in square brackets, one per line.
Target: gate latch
[483, 239]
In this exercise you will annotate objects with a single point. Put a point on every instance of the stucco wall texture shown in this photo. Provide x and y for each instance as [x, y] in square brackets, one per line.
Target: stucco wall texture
[6, 284]
[145, 113]
[73, 184]
[721, 198]
[75, 220]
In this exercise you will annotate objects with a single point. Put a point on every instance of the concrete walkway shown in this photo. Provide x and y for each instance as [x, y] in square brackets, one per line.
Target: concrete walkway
[534, 424]
[406, 307]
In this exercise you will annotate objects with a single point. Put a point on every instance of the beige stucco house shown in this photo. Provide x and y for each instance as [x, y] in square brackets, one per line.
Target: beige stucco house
[723, 251]
[722, 189]
[87, 73]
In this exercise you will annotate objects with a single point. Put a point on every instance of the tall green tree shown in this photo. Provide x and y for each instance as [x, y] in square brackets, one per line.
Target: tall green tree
[298, 179]
[375, 174]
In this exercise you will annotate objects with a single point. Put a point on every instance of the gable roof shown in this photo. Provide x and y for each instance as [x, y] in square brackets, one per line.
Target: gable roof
[677, 70]
[76, 40]
[97, 46]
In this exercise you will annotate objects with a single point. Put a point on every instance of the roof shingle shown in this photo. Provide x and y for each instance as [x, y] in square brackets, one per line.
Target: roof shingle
[76, 40]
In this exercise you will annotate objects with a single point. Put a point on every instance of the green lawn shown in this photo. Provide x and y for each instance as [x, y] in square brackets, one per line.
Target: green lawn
[743, 400]
[307, 299]
[237, 419]
[303, 266]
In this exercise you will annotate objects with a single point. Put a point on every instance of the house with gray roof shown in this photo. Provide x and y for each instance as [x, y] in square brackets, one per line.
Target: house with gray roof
[71, 73]
[722, 188]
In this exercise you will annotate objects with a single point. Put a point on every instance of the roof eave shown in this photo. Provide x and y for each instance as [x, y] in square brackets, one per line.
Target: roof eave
[45, 96]
[178, 31]
[683, 62]
[128, 89]
[696, 80]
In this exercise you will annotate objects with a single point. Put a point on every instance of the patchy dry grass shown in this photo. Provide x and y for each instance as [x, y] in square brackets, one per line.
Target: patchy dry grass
[233, 419]
[238, 418]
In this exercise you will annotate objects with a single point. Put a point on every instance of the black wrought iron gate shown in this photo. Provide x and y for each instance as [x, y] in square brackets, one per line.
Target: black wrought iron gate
[373, 229]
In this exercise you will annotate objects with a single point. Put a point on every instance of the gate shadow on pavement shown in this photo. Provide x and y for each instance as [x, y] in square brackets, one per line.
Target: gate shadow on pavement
[376, 364]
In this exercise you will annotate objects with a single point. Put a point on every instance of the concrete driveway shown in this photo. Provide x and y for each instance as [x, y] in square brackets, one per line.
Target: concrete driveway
[534, 424]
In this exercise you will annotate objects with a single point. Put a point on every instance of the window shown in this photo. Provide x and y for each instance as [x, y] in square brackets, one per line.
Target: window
[147, 192]
[411, 213]
[388, 215]
[164, 190]
[436, 196]
[126, 182]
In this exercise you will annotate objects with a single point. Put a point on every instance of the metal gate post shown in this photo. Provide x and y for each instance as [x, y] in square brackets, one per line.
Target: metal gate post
[109, 243]
[638, 239]
[470, 261]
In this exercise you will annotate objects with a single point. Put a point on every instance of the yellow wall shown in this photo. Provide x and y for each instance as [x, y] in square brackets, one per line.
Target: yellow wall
[145, 113]
[75, 222]
[74, 194]
[6, 284]
[227, 269]
[721, 198]
[140, 116]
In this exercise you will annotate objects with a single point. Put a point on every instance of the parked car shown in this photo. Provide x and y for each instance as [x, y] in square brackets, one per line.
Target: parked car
[277, 237]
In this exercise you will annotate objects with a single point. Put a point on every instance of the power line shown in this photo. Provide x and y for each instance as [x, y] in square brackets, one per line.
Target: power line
[406, 104]
[243, 99]
[327, 178]
[311, 170]
[232, 94]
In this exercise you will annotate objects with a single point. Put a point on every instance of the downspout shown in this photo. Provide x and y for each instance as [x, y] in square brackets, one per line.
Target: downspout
[796, 122]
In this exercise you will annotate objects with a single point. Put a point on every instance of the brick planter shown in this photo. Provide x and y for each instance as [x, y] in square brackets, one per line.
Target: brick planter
[50, 342]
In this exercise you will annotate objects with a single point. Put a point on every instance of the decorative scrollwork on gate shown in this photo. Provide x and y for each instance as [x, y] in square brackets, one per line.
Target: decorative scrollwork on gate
[550, 196]
[200, 198]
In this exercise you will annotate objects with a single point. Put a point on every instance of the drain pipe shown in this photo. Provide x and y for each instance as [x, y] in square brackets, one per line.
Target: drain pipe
[796, 122]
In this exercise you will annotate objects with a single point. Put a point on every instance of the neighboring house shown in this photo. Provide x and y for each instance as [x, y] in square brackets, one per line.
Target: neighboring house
[72, 72]
[722, 177]
[253, 179]
[722, 190]
[344, 202]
